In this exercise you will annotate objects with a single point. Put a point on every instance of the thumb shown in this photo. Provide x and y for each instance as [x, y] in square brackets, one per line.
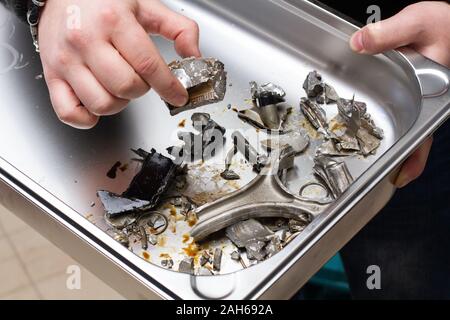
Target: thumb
[398, 31]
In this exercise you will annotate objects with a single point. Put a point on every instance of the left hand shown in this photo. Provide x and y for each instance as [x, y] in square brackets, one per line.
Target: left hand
[422, 26]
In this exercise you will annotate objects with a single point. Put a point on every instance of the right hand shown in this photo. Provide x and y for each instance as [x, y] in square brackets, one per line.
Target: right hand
[424, 27]
[96, 69]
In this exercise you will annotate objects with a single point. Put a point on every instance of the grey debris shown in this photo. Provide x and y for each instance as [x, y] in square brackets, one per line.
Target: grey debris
[255, 250]
[282, 234]
[298, 140]
[186, 266]
[313, 84]
[296, 226]
[273, 247]
[329, 95]
[153, 239]
[273, 89]
[167, 263]
[334, 173]
[202, 271]
[235, 255]
[116, 205]
[217, 260]
[228, 174]
[204, 78]
[246, 231]
[144, 238]
[204, 258]
[315, 114]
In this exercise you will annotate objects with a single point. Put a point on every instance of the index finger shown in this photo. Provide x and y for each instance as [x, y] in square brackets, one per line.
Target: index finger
[136, 47]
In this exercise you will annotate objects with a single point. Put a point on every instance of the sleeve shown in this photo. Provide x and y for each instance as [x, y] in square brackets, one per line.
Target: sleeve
[19, 7]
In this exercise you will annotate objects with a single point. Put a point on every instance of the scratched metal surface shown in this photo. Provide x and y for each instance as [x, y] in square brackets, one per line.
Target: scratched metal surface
[72, 164]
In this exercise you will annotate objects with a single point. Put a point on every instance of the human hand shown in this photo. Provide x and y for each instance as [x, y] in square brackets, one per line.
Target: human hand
[97, 68]
[423, 27]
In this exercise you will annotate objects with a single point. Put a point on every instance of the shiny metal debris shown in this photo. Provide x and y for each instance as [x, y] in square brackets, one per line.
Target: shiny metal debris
[116, 205]
[205, 79]
[313, 84]
[268, 112]
[273, 247]
[186, 266]
[298, 140]
[204, 258]
[244, 232]
[217, 260]
[297, 225]
[167, 263]
[153, 239]
[235, 255]
[154, 177]
[329, 95]
[202, 271]
[144, 238]
[153, 222]
[315, 114]
[333, 173]
[255, 250]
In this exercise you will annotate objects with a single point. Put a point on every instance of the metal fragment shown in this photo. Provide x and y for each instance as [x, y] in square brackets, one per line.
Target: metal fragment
[204, 258]
[315, 114]
[217, 260]
[116, 205]
[167, 263]
[155, 221]
[298, 140]
[334, 173]
[313, 84]
[246, 231]
[153, 179]
[205, 80]
[255, 250]
[273, 247]
[153, 239]
[235, 255]
[202, 271]
[144, 239]
[186, 266]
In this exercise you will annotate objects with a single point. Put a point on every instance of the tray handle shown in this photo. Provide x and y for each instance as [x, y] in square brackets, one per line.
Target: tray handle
[433, 78]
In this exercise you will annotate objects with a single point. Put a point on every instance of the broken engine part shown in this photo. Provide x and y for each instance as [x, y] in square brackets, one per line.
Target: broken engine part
[299, 141]
[242, 233]
[116, 205]
[205, 79]
[333, 173]
[315, 114]
[153, 179]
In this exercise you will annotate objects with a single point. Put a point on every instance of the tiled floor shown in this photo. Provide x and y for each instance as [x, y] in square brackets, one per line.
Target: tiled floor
[33, 268]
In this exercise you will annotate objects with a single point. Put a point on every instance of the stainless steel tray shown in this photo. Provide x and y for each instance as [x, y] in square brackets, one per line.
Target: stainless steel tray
[49, 172]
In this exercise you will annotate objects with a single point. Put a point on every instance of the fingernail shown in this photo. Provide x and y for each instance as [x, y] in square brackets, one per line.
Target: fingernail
[402, 180]
[180, 100]
[356, 42]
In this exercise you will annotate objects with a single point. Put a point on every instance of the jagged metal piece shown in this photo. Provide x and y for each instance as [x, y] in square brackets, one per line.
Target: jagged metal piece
[313, 84]
[116, 205]
[334, 174]
[315, 114]
[217, 260]
[298, 140]
[255, 250]
[153, 179]
[186, 266]
[246, 231]
[205, 80]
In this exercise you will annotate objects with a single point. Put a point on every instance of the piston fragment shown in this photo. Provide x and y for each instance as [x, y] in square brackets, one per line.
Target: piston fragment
[334, 173]
[315, 114]
[116, 205]
[246, 231]
[205, 80]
